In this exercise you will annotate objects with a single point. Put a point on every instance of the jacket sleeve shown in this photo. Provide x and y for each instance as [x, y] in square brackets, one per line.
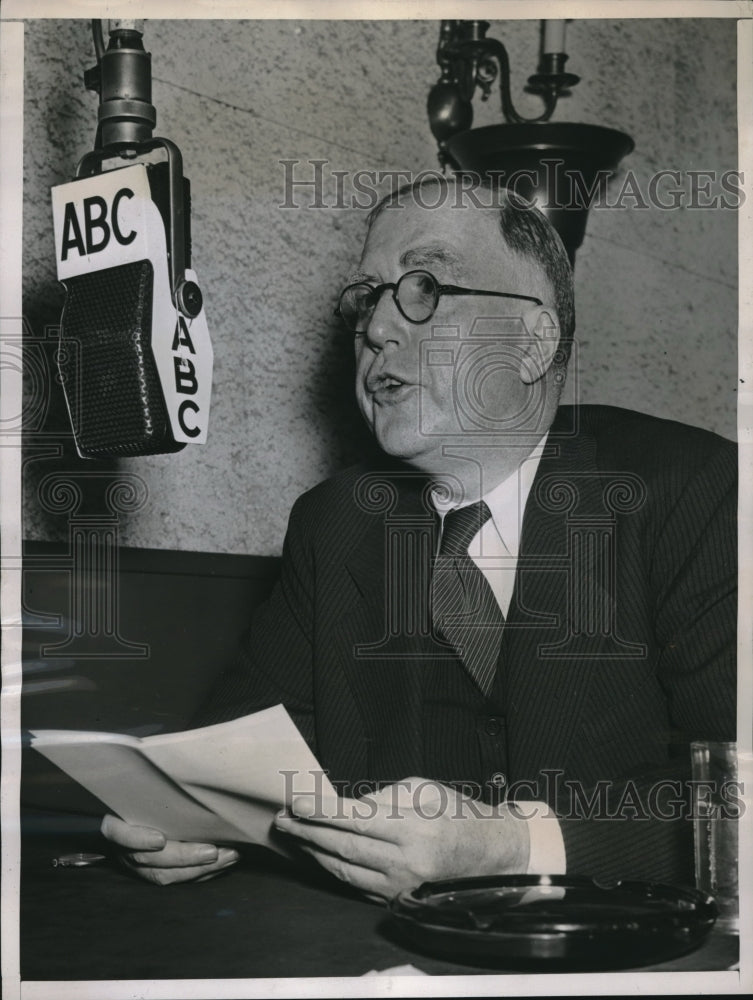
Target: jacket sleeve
[641, 826]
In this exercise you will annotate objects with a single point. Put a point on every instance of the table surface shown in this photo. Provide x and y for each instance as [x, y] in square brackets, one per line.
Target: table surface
[266, 917]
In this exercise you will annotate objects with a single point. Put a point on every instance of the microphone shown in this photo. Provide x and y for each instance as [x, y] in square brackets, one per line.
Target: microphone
[134, 356]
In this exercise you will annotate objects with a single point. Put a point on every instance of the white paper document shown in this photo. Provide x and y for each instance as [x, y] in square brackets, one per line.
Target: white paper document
[219, 784]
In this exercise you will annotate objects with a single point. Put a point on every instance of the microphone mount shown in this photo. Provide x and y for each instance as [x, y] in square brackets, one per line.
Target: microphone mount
[123, 79]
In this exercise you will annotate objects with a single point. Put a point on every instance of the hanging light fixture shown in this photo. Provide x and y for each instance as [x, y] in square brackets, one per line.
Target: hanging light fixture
[559, 166]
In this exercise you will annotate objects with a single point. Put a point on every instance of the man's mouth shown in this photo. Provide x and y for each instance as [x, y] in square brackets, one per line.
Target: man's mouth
[386, 388]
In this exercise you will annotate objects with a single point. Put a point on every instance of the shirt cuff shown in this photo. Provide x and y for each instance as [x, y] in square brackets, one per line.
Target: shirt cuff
[547, 846]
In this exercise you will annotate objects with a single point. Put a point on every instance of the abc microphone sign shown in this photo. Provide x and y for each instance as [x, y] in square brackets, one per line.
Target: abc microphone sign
[105, 226]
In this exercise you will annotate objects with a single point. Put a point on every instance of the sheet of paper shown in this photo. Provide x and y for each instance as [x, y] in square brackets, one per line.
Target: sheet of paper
[134, 789]
[261, 756]
[221, 784]
[244, 770]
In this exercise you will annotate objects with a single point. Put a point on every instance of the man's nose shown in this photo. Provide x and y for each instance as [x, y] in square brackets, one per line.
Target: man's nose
[387, 326]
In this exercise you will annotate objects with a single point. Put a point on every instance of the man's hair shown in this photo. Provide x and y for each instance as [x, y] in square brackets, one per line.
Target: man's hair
[526, 231]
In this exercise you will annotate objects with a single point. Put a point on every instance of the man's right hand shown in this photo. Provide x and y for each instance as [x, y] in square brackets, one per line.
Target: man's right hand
[152, 856]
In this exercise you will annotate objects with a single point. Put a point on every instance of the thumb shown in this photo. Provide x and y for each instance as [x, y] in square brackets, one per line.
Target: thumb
[133, 838]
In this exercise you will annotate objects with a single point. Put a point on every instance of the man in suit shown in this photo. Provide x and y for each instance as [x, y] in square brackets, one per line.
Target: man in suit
[528, 608]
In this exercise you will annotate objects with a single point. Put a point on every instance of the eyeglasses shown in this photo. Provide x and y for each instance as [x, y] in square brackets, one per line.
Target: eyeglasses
[416, 295]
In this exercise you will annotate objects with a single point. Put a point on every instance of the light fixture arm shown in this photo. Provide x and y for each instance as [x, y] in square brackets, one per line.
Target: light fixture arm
[468, 59]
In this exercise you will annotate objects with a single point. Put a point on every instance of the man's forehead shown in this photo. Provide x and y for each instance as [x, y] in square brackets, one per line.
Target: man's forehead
[455, 240]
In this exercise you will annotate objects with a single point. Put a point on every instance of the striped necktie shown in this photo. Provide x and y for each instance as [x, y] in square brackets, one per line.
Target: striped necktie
[464, 609]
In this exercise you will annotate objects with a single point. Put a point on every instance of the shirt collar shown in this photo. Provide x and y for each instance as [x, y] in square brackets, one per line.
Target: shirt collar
[507, 501]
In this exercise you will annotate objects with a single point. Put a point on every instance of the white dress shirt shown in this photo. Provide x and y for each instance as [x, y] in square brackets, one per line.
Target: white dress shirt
[494, 549]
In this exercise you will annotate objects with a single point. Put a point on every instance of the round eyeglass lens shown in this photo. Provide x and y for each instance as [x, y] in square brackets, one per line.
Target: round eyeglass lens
[417, 294]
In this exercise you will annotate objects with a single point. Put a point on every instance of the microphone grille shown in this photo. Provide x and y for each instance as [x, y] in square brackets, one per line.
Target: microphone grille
[107, 367]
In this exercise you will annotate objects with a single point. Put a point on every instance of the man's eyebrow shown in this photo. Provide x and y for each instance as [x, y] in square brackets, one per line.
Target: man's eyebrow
[432, 255]
[359, 275]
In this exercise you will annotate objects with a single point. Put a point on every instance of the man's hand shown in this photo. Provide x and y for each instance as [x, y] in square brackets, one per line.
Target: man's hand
[407, 833]
[148, 853]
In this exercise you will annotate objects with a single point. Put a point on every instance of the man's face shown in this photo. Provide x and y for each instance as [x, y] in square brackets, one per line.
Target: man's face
[409, 404]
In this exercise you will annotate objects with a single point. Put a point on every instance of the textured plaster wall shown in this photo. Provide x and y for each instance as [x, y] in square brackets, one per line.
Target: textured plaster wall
[656, 290]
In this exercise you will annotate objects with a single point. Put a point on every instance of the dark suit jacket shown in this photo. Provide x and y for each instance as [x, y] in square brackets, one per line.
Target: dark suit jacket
[619, 645]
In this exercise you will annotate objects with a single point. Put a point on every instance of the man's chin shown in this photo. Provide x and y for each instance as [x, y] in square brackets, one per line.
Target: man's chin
[397, 433]
[421, 453]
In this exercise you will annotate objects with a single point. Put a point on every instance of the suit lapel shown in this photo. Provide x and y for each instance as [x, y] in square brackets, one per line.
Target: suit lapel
[380, 638]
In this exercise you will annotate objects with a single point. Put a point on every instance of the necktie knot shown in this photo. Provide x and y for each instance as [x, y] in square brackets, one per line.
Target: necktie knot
[461, 526]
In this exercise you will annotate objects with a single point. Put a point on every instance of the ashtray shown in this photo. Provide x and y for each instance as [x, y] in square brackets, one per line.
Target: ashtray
[554, 921]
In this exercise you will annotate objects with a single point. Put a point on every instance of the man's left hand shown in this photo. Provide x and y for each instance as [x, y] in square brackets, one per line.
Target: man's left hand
[410, 832]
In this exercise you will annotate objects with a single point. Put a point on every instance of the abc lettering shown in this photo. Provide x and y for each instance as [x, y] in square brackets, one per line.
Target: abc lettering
[185, 378]
[185, 381]
[188, 404]
[181, 337]
[124, 240]
[70, 222]
[97, 231]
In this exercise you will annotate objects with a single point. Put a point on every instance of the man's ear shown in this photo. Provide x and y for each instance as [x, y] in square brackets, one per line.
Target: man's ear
[543, 338]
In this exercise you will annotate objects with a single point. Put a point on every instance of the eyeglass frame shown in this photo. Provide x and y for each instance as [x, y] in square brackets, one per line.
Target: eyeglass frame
[441, 290]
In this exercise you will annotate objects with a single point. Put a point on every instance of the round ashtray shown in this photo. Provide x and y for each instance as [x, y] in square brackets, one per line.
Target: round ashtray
[556, 921]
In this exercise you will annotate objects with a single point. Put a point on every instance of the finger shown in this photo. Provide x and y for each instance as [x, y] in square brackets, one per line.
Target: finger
[408, 792]
[380, 821]
[375, 884]
[138, 838]
[364, 817]
[335, 811]
[357, 848]
[177, 854]
[199, 873]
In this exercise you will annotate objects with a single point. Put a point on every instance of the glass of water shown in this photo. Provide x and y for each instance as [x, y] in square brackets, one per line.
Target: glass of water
[716, 806]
